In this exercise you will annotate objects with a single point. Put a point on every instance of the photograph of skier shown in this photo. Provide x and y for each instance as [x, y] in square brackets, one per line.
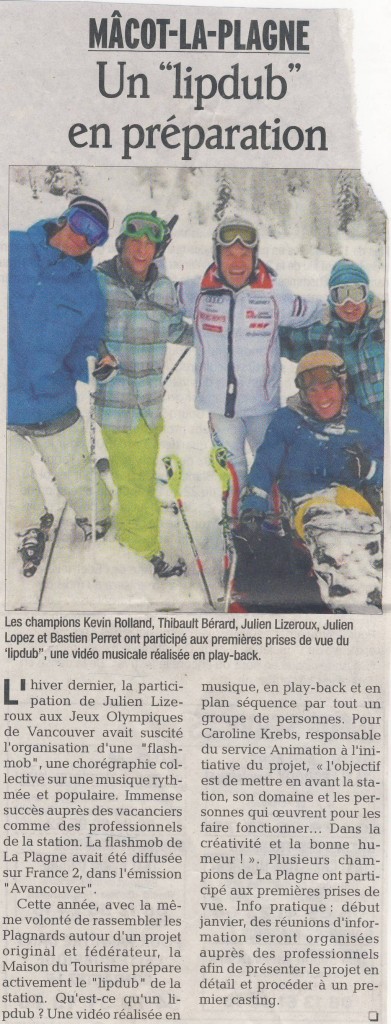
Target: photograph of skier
[244, 272]
[56, 320]
[237, 307]
[327, 454]
[142, 315]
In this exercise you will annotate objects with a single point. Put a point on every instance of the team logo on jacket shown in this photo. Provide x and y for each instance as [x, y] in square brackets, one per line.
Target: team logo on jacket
[210, 321]
[259, 315]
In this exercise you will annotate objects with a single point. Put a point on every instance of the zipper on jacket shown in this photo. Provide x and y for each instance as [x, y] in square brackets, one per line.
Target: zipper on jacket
[232, 384]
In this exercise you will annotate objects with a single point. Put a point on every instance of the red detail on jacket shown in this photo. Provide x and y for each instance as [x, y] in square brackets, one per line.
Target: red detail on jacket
[211, 278]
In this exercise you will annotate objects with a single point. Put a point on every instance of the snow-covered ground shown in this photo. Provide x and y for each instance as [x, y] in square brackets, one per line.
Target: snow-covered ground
[105, 576]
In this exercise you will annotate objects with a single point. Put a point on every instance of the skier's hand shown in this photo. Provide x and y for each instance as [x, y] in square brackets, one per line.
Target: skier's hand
[358, 462]
[105, 369]
[250, 529]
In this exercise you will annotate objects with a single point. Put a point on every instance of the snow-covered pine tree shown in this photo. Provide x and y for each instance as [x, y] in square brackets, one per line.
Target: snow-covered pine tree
[153, 178]
[372, 212]
[224, 193]
[33, 183]
[62, 181]
[346, 198]
[322, 213]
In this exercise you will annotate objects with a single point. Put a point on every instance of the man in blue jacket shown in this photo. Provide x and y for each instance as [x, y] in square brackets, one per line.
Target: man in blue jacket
[326, 453]
[56, 320]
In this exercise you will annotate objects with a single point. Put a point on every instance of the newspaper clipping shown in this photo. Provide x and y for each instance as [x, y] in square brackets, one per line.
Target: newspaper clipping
[194, 610]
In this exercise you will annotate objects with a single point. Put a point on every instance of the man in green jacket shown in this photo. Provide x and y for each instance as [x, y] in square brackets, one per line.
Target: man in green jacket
[142, 316]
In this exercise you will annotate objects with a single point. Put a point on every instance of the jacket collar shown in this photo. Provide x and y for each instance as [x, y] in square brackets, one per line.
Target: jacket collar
[261, 278]
[116, 270]
[129, 279]
[334, 426]
[40, 234]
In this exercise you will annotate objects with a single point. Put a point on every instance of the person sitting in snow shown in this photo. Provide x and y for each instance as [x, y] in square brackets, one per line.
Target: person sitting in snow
[142, 316]
[56, 320]
[353, 326]
[237, 308]
[325, 451]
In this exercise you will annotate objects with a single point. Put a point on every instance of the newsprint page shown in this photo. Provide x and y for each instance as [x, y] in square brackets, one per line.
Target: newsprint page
[194, 663]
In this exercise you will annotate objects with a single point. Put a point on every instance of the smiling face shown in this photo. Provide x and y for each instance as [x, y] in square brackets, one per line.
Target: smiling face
[325, 399]
[351, 312]
[70, 243]
[137, 254]
[236, 264]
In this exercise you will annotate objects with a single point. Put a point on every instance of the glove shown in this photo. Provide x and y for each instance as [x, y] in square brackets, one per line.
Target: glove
[105, 369]
[250, 529]
[358, 463]
[374, 495]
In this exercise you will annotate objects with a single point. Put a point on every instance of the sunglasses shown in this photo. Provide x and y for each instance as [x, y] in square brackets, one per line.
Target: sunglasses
[348, 293]
[228, 234]
[136, 225]
[84, 224]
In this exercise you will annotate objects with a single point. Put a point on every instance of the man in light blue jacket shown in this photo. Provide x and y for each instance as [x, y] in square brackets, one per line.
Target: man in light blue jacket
[56, 320]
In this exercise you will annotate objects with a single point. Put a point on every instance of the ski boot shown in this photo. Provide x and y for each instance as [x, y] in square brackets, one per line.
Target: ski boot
[101, 528]
[164, 570]
[32, 545]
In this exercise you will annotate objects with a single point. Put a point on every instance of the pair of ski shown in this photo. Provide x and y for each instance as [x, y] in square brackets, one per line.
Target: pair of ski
[173, 466]
[234, 597]
[220, 464]
[239, 569]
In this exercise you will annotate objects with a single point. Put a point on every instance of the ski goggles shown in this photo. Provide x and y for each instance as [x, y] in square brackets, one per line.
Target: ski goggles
[319, 377]
[83, 223]
[228, 234]
[136, 225]
[342, 293]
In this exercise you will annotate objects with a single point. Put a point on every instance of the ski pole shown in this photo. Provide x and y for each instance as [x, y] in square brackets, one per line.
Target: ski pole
[182, 356]
[174, 477]
[218, 460]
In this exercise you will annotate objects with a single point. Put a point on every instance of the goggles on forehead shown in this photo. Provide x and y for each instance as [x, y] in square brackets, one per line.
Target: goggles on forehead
[246, 234]
[321, 376]
[136, 225]
[83, 223]
[342, 293]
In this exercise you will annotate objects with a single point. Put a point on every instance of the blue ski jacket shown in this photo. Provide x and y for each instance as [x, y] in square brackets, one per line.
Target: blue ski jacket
[305, 454]
[56, 320]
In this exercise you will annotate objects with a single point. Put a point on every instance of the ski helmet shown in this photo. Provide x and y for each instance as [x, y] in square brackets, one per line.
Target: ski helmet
[320, 367]
[91, 206]
[234, 228]
[87, 217]
[157, 230]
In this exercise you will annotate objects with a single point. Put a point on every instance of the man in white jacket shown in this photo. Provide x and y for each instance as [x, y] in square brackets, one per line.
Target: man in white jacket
[237, 309]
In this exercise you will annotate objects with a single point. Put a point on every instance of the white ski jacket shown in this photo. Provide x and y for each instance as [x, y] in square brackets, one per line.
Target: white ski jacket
[238, 365]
